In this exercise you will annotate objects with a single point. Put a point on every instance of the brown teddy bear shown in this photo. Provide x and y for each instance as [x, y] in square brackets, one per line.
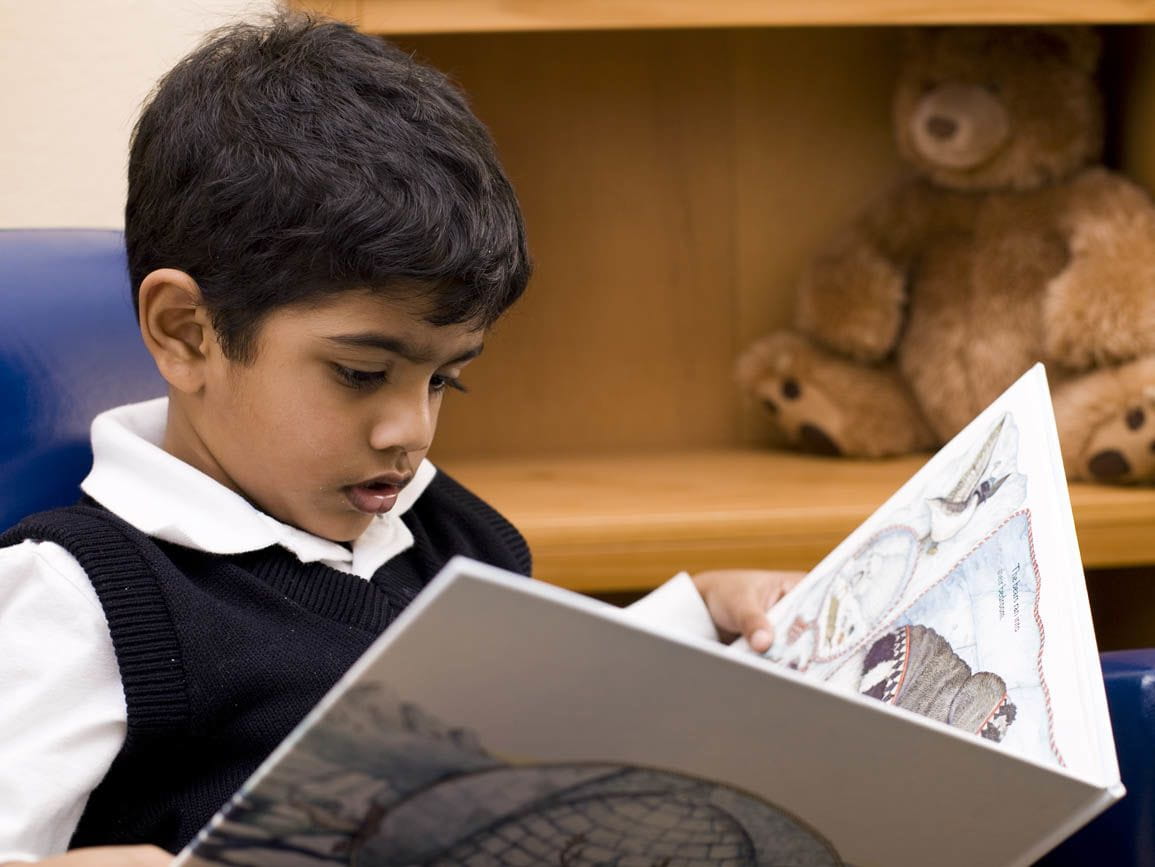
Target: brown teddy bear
[1007, 244]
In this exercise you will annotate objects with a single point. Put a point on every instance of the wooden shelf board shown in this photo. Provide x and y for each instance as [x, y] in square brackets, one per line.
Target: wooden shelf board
[474, 16]
[626, 522]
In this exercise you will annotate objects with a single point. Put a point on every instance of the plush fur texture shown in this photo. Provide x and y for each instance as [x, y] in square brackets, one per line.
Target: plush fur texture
[1005, 245]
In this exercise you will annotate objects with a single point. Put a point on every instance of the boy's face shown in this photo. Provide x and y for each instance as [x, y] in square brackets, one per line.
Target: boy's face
[328, 423]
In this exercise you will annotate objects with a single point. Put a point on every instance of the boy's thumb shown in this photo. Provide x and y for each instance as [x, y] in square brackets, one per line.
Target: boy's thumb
[758, 632]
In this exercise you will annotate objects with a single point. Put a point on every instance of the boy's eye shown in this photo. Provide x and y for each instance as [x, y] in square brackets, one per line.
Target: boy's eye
[440, 382]
[360, 379]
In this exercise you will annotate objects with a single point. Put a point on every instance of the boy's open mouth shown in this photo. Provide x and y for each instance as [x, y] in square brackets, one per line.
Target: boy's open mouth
[376, 496]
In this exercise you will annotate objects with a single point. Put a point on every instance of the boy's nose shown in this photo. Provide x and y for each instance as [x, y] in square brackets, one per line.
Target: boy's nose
[406, 424]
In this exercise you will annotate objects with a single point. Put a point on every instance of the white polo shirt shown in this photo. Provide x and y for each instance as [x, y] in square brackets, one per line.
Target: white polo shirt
[62, 707]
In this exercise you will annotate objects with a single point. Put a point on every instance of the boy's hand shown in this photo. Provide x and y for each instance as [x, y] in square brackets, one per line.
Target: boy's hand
[738, 600]
[105, 856]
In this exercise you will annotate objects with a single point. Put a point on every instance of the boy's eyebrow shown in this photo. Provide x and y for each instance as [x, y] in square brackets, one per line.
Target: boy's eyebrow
[399, 346]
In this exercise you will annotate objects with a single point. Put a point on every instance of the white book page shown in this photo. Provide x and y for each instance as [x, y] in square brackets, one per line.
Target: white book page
[1086, 667]
[963, 597]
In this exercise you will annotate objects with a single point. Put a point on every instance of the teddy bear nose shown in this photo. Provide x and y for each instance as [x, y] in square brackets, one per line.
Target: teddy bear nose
[941, 128]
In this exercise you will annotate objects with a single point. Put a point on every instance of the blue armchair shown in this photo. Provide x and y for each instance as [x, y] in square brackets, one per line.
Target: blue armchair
[1123, 836]
[69, 348]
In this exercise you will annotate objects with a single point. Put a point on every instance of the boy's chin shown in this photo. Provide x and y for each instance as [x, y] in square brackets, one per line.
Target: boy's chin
[349, 534]
[342, 529]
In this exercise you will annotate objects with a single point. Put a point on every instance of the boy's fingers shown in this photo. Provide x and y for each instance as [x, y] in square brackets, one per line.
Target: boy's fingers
[761, 640]
[758, 632]
[110, 856]
[756, 628]
[784, 584]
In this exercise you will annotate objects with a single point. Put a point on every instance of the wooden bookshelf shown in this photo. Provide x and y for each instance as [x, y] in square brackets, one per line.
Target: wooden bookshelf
[624, 522]
[478, 16]
[679, 162]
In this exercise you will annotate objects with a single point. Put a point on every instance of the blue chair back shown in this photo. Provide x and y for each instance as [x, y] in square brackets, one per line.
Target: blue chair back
[1124, 835]
[69, 348]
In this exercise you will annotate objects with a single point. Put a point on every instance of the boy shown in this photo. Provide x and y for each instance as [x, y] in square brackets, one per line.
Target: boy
[319, 237]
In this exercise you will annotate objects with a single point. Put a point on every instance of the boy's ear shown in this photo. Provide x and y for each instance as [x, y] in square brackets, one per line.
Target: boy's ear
[176, 327]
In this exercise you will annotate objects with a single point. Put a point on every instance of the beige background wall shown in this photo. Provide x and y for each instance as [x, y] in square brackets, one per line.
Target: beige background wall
[73, 74]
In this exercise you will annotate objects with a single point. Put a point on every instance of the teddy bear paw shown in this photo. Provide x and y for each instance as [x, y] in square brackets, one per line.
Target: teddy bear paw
[774, 371]
[789, 409]
[1122, 450]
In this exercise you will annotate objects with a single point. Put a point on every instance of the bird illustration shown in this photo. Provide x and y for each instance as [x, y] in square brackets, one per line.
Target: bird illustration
[950, 513]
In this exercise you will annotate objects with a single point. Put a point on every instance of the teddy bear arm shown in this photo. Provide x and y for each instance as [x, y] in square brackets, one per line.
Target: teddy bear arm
[827, 404]
[852, 297]
[1100, 309]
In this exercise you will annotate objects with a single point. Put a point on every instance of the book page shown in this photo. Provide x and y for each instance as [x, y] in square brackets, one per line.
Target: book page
[954, 600]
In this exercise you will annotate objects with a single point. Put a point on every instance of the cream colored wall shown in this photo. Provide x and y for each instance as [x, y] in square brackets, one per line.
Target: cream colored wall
[73, 74]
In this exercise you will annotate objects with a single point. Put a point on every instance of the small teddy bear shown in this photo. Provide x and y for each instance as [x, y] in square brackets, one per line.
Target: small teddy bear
[1007, 244]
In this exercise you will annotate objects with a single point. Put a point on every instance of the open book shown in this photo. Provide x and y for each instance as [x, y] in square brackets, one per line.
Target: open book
[933, 696]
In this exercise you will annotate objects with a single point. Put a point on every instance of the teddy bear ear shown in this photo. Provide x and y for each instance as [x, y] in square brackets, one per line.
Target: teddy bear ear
[1082, 44]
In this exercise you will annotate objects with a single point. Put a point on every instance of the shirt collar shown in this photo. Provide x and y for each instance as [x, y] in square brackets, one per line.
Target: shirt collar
[163, 497]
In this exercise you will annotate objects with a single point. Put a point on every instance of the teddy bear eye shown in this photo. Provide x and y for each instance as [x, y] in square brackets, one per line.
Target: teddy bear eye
[992, 87]
[926, 85]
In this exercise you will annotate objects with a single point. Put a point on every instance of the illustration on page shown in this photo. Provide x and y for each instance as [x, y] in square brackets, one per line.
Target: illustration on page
[937, 610]
[379, 782]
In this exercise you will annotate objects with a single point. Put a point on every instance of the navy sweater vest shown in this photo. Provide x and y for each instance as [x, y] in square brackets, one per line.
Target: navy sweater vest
[221, 656]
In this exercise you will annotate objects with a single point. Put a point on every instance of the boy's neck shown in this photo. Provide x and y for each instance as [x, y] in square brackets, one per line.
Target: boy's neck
[182, 441]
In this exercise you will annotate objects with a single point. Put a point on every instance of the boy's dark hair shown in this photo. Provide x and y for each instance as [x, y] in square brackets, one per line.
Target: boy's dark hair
[284, 162]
